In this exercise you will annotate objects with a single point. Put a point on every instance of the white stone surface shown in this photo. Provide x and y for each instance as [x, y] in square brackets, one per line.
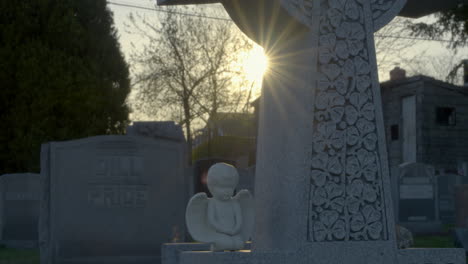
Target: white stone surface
[322, 189]
[111, 199]
[224, 221]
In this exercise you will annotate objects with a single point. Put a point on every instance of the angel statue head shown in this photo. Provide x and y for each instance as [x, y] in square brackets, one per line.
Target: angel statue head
[224, 221]
[222, 181]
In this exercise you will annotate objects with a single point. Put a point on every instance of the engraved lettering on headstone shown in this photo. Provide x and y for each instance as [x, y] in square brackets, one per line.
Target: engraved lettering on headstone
[116, 196]
[118, 183]
[119, 166]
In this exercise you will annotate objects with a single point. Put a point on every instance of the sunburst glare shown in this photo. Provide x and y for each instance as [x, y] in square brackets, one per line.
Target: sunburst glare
[255, 64]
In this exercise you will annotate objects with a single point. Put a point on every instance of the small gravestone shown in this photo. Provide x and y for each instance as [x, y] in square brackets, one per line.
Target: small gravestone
[19, 209]
[417, 204]
[111, 199]
[446, 185]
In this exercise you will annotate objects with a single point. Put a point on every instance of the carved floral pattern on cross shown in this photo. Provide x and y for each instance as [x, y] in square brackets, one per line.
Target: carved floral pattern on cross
[302, 9]
[346, 195]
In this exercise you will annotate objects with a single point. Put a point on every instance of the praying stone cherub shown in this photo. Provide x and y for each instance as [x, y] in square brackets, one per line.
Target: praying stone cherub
[224, 221]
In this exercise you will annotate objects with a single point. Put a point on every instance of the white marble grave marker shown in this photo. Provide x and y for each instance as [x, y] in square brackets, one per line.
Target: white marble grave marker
[322, 184]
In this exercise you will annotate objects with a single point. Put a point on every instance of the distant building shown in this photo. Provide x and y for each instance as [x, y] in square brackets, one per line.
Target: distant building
[228, 136]
[426, 121]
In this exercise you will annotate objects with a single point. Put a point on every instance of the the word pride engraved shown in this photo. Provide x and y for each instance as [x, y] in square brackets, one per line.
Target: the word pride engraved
[118, 183]
[114, 196]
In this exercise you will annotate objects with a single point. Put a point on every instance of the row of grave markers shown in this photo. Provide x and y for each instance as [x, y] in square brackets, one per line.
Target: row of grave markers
[417, 201]
[103, 199]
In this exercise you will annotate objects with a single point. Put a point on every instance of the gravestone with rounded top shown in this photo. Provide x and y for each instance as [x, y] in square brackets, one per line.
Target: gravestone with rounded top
[19, 209]
[417, 205]
[111, 199]
[322, 190]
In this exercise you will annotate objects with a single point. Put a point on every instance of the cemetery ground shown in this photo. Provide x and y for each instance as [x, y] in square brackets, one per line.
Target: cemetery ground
[31, 256]
[18, 256]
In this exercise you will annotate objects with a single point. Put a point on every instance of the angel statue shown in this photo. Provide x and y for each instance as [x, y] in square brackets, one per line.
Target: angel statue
[224, 221]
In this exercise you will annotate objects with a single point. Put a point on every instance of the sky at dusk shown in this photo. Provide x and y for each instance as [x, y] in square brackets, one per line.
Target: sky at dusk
[429, 57]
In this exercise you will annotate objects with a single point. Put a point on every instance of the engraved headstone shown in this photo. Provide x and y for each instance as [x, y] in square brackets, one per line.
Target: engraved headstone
[111, 199]
[322, 190]
[19, 209]
[418, 204]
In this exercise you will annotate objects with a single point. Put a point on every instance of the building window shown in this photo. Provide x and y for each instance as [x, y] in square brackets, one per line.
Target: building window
[446, 116]
[395, 132]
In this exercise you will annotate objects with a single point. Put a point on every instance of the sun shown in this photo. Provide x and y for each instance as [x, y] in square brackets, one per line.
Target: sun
[255, 64]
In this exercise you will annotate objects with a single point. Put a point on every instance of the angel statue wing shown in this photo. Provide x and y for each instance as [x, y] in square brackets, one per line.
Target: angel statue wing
[196, 218]
[245, 199]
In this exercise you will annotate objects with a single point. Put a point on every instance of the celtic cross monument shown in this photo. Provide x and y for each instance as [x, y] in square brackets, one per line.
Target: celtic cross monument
[322, 191]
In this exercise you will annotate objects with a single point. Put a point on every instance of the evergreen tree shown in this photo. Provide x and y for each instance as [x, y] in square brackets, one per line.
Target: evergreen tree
[452, 23]
[62, 77]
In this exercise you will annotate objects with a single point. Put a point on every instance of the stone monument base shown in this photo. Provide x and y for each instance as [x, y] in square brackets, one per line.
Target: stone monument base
[111, 260]
[174, 255]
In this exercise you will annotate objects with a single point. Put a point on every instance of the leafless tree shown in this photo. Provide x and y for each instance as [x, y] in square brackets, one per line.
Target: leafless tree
[189, 69]
[397, 45]
[394, 46]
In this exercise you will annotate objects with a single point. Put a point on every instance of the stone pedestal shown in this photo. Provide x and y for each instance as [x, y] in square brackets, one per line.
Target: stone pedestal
[404, 256]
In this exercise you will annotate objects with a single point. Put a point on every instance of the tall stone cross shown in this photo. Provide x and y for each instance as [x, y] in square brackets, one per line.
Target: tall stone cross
[322, 182]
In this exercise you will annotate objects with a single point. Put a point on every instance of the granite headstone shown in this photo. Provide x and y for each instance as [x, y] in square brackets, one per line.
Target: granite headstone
[111, 199]
[19, 209]
[417, 203]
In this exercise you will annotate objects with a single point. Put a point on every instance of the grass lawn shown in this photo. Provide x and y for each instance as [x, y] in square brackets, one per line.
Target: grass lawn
[19, 256]
[436, 241]
[433, 242]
